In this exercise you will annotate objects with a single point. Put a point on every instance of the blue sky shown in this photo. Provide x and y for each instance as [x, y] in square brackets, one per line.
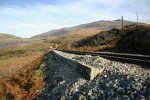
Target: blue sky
[26, 18]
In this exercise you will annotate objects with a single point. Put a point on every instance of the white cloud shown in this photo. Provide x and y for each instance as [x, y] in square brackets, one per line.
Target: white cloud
[30, 29]
[56, 20]
[38, 18]
[107, 2]
[46, 25]
[11, 12]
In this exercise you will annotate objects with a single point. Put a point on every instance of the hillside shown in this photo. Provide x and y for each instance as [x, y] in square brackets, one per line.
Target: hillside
[134, 39]
[24, 61]
[10, 40]
[100, 25]
[53, 33]
[65, 41]
[8, 36]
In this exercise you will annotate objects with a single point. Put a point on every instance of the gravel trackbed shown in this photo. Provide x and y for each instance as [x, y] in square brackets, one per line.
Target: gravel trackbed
[118, 81]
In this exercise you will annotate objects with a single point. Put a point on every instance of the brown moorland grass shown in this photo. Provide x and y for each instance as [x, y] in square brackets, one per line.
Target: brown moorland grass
[14, 62]
[12, 58]
[112, 43]
[94, 49]
[25, 83]
[65, 41]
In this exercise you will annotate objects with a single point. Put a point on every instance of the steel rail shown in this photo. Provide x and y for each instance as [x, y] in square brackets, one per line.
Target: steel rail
[132, 58]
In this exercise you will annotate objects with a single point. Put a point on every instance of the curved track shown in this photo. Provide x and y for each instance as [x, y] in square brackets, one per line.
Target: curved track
[122, 57]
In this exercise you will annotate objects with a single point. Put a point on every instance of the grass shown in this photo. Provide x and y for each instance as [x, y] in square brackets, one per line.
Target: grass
[25, 80]
[24, 83]
[66, 41]
[16, 62]
[21, 54]
[88, 48]
[132, 40]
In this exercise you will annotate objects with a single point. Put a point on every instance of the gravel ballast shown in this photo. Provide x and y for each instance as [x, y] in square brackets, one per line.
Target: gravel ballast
[117, 81]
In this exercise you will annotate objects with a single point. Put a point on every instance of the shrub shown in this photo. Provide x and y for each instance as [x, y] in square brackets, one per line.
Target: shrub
[25, 83]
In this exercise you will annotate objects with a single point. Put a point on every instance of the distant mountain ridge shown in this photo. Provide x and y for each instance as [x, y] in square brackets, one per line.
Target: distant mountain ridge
[8, 36]
[8, 40]
[101, 25]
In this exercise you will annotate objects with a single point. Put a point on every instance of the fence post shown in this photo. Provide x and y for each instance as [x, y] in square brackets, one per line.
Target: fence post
[122, 23]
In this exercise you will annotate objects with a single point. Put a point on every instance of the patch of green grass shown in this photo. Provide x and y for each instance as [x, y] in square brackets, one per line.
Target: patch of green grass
[45, 59]
[38, 67]
[40, 49]
[43, 68]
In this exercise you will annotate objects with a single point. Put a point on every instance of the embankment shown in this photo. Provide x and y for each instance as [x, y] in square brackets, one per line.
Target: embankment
[88, 72]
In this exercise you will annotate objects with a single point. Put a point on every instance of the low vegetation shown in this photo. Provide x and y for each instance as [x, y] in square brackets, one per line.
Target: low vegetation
[25, 83]
[8, 36]
[66, 41]
[133, 39]
[21, 70]
[26, 80]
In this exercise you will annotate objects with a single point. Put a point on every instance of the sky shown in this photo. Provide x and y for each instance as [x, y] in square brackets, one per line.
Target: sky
[27, 18]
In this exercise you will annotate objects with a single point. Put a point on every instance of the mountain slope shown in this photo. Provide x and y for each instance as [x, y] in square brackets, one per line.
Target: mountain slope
[52, 33]
[8, 36]
[8, 40]
[100, 25]
[134, 39]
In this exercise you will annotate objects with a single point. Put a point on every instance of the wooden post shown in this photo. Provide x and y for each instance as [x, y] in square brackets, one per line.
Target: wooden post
[122, 23]
[137, 18]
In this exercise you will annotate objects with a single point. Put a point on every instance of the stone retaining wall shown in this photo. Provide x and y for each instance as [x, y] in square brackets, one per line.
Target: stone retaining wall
[86, 71]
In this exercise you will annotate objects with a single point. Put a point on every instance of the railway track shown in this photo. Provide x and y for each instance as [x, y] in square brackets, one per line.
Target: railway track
[127, 58]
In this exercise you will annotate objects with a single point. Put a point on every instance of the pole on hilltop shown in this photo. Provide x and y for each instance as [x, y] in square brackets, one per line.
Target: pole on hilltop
[122, 23]
[137, 18]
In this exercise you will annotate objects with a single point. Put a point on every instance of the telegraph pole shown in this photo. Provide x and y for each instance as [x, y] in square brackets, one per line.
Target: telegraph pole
[137, 18]
[97, 40]
[122, 23]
